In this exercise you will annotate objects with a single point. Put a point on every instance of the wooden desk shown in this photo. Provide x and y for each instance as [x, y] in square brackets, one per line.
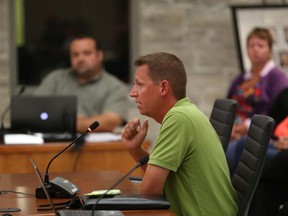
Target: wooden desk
[92, 157]
[87, 181]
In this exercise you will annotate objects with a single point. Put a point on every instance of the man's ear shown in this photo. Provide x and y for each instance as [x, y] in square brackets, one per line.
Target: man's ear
[100, 55]
[165, 87]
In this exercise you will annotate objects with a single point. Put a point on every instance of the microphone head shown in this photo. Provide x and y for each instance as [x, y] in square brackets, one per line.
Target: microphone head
[143, 160]
[93, 126]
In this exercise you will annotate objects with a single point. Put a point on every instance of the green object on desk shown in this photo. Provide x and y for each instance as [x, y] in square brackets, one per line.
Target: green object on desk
[96, 193]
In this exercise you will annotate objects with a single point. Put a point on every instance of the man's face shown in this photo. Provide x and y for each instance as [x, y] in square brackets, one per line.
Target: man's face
[259, 51]
[85, 59]
[145, 92]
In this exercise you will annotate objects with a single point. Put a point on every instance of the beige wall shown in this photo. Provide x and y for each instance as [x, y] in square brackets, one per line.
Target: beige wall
[5, 53]
[200, 32]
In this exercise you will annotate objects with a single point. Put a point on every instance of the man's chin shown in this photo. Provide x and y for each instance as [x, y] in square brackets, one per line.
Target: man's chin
[81, 72]
[141, 111]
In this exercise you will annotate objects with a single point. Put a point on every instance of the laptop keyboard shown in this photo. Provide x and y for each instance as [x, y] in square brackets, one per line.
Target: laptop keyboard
[89, 212]
[58, 137]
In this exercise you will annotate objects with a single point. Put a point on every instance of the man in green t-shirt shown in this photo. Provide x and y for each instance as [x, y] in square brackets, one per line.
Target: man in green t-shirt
[187, 162]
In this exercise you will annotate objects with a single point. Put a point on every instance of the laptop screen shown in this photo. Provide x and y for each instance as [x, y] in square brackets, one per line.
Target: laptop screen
[45, 114]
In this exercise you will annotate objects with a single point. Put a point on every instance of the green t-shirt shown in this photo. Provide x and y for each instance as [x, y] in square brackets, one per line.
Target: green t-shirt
[104, 93]
[199, 180]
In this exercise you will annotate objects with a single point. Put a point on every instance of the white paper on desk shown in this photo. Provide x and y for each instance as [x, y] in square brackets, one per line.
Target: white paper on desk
[22, 139]
[102, 137]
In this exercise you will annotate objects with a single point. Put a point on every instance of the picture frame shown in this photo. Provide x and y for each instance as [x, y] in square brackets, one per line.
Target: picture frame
[273, 17]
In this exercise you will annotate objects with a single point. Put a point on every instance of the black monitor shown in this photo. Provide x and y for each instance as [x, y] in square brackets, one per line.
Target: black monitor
[44, 114]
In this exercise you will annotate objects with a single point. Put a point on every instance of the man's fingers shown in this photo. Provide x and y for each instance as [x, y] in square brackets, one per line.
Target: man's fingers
[145, 125]
[131, 128]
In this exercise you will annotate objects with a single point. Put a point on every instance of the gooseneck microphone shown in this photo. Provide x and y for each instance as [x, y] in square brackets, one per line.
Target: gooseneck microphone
[141, 162]
[92, 127]
[60, 187]
[20, 92]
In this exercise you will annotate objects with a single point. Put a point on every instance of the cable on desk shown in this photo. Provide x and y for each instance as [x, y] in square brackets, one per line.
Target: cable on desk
[16, 192]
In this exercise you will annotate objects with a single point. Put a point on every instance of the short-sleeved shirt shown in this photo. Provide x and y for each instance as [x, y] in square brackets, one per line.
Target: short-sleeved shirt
[199, 180]
[104, 93]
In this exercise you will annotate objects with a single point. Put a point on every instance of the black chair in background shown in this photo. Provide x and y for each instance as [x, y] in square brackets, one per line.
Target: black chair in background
[252, 159]
[222, 119]
[279, 109]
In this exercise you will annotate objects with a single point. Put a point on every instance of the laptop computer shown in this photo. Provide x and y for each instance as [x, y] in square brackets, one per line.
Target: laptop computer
[71, 212]
[53, 116]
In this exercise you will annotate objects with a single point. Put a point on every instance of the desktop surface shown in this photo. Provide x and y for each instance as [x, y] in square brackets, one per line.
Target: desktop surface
[87, 181]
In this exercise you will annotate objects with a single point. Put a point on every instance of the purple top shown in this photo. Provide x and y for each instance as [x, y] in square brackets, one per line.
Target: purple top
[259, 98]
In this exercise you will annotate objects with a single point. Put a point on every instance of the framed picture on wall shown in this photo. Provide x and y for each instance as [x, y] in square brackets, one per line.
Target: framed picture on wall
[272, 17]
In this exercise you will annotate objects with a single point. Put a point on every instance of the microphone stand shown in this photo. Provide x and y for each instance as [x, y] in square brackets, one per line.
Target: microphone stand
[143, 161]
[2, 128]
[60, 187]
[3, 116]
[46, 179]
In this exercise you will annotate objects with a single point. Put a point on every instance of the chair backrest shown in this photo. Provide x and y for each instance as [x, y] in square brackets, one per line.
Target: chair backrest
[222, 119]
[252, 159]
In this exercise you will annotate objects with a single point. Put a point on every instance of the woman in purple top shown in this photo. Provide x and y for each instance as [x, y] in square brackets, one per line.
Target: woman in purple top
[258, 98]
[255, 90]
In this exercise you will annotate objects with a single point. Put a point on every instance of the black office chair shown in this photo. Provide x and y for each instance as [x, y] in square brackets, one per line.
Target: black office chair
[222, 119]
[249, 168]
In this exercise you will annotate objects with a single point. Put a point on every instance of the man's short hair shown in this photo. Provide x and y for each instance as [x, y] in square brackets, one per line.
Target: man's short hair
[166, 66]
[84, 36]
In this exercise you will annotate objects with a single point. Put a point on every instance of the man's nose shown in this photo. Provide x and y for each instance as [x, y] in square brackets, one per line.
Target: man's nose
[80, 57]
[132, 92]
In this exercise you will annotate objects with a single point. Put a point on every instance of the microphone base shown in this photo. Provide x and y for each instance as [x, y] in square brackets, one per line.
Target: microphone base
[58, 188]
